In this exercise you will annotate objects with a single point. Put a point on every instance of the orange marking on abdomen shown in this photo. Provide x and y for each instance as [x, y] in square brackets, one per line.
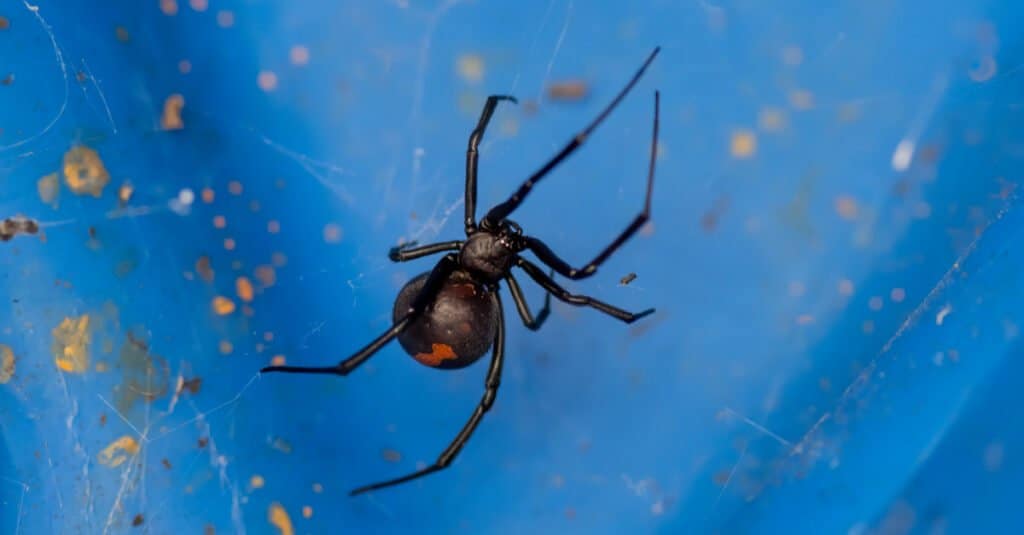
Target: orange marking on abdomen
[438, 354]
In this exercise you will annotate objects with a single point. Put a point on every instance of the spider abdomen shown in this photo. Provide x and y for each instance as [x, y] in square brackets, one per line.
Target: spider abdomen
[455, 329]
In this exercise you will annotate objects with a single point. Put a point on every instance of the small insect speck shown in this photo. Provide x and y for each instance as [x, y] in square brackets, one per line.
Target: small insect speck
[138, 520]
[627, 279]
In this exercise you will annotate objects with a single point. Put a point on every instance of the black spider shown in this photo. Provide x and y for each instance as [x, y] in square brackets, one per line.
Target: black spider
[449, 317]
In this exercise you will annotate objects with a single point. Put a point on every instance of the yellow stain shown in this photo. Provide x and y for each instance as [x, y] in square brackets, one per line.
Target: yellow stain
[71, 341]
[771, 119]
[118, 451]
[225, 347]
[171, 119]
[257, 481]
[743, 144]
[307, 511]
[84, 172]
[6, 364]
[223, 306]
[124, 193]
[470, 67]
[279, 518]
[48, 188]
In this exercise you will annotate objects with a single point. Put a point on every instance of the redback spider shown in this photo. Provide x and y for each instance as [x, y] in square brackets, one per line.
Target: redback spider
[450, 316]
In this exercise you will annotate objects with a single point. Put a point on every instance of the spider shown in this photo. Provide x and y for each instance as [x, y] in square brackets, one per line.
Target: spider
[449, 317]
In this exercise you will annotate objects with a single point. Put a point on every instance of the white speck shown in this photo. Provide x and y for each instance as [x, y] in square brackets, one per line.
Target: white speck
[186, 196]
[834, 463]
[941, 316]
[658, 507]
[993, 458]
[939, 358]
[903, 154]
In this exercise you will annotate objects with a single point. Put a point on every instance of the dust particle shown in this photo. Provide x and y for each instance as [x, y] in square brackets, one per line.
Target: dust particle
[171, 118]
[277, 360]
[122, 34]
[207, 195]
[204, 268]
[281, 445]
[792, 56]
[771, 119]
[169, 7]
[470, 67]
[202, 442]
[244, 289]
[166, 463]
[219, 222]
[71, 340]
[846, 207]
[225, 347]
[184, 66]
[273, 226]
[138, 520]
[199, 5]
[743, 144]
[225, 18]
[278, 259]
[307, 511]
[266, 275]
[48, 188]
[279, 518]
[390, 455]
[801, 99]
[235, 187]
[117, 452]
[4, 23]
[222, 306]
[6, 364]
[299, 55]
[84, 172]
[257, 481]
[229, 244]
[103, 419]
[568, 90]
[209, 530]
[627, 279]
[317, 488]
[332, 233]
[266, 80]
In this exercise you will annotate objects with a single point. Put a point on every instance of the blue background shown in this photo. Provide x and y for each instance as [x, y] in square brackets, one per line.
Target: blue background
[836, 347]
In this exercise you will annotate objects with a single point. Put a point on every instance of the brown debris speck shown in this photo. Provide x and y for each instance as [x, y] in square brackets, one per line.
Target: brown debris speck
[122, 34]
[627, 279]
[171, 118]
[166, 463]
[12, 226]
[138, 520]
[390, 455]
[4, 23]
[568, 90]
[191, 385]
[202, 442]
[204, 268]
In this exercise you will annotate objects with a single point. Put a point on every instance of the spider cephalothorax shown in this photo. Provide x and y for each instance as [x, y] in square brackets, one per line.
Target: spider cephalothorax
[450, 316]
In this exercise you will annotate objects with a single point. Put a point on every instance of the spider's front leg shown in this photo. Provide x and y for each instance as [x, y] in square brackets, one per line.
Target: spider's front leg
[409, 251]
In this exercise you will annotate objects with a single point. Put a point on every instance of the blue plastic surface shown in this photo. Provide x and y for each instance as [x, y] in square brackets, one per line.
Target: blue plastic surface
[836, 259]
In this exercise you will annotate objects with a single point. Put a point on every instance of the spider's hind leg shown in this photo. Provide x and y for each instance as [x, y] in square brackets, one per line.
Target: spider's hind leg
[430, 288]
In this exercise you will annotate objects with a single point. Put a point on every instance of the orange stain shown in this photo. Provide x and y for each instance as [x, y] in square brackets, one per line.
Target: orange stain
[223, 306]
[438, 354]
[207, 195]
[225, 347]
[219, 221]
[244, 289]
[278, 360]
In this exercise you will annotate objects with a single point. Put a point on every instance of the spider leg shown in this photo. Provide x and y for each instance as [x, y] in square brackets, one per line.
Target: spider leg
[472, 156]
[579, 300]
[524, 311]
[427, 293]
[546, 255]
[490, 393]
[503, 210]
[409, 251]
